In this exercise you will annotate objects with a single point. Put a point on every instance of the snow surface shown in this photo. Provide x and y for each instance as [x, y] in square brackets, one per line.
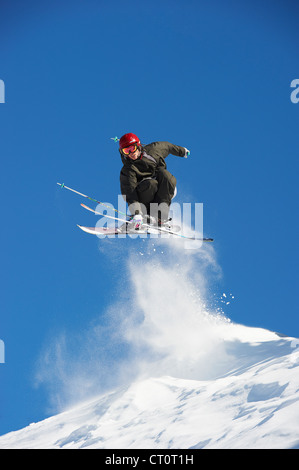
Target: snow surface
[254, 406]
[194, 378]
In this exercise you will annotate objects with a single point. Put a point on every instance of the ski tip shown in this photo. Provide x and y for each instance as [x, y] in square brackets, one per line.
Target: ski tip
[86, 207]
[81, 227]
[85, 229]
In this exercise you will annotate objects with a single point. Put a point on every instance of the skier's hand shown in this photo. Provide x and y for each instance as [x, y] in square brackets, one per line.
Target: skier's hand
[187, 153]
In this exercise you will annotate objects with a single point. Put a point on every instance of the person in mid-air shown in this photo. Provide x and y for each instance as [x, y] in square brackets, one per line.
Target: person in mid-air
[144, 179]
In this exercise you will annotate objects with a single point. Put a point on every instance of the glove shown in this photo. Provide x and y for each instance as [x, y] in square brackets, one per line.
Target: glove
[187, 153]
[136, 222]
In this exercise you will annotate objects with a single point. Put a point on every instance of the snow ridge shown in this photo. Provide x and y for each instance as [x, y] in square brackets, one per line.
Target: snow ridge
[196, 379]
[256, 406]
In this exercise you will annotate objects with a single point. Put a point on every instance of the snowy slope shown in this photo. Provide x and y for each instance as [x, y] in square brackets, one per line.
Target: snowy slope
[255, 405]
[184, 375]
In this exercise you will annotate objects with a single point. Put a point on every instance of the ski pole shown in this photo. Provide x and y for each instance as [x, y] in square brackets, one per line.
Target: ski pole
[62, 185]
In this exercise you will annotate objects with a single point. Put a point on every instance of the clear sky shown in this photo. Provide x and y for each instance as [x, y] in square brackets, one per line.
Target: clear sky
[210, 76]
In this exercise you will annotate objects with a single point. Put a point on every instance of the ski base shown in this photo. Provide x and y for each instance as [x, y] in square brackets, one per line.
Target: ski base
[109, 231]
[102, 231]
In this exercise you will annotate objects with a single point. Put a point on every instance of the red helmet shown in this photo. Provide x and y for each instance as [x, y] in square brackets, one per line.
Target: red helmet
[128, 139]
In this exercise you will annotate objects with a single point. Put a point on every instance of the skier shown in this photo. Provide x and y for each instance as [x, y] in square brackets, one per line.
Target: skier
[144, 178]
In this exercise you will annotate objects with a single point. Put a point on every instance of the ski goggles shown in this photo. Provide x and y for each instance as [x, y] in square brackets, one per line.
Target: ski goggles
[130, 149]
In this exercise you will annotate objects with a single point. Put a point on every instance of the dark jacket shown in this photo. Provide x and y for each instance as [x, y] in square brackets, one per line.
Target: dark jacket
[151, 160]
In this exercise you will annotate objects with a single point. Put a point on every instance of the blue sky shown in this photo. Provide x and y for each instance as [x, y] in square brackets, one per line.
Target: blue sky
[211, 76]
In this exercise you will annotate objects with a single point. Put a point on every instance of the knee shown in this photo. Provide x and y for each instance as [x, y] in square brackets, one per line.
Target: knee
[147, 185]
[164, 175]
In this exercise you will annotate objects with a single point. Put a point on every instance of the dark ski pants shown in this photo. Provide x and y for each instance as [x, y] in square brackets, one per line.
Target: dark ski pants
[158, 190]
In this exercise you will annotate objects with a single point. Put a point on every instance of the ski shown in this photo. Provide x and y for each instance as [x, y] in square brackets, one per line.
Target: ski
[174, 228]
[109, 231]
[146, 228]
[112, 231]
